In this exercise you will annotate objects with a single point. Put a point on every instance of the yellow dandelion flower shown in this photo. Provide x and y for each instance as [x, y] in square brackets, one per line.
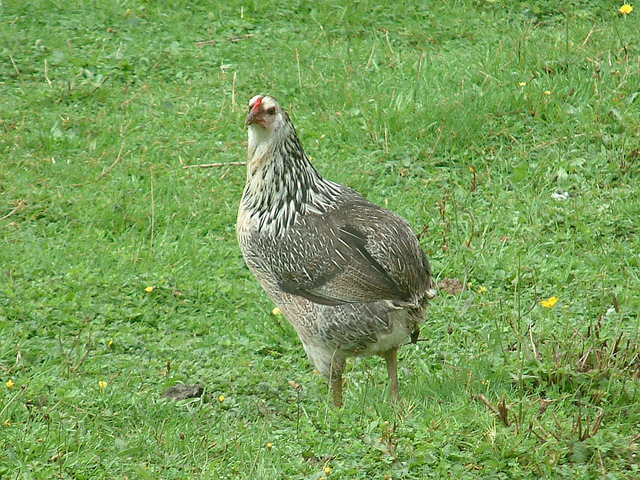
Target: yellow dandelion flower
[472, 169]
[522, 84]
[276, 311]
[550, 302]
[221, 398]
[149, 289]
[482, 289]
[547, 92]
[102, 384]
[626, 9]
[269, 445]
[7, 423]
[9, 384]
[327, 470]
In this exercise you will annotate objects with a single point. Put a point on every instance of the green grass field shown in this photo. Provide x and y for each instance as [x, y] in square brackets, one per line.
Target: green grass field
[507, 133]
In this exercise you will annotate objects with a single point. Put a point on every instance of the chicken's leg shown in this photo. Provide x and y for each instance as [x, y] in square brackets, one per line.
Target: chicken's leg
[391, 356]
[336, 390]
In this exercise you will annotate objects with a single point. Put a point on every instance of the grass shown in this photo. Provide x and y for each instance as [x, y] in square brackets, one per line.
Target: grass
[505, 132]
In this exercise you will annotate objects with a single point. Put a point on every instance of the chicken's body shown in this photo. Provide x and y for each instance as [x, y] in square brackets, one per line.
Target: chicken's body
[348, 275]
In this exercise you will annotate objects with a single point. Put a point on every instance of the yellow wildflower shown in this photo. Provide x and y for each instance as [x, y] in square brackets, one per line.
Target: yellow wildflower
[221, 398]
[522, 84]
[550, 302]
[276, 311]
[149, 289]
[10, 384]
[269, 445]
[7, 423]
[110, 344]
[482, 289]
[626, 9]
[547, 92]
[102, 384]
[327, 470]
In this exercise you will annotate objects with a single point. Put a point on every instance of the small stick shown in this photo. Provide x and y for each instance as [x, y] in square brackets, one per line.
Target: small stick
[373, 49]
[533, 343]
[84, 357]
[239, 37]
[536, 434]
[14, 64]
[473, 226]
[230, 39]
[17, 207]
[18, 358]
[233, 91]
[589, 35]
[13, 399]
[558, 426]
[153, 212]
[116, 161]
[46, 73]
[386, 35]
[433, 149]
[504, 412]
[298, 64]
[206, 42]
[484, 400]
[209, 165]
[596, 424]
[544, 432]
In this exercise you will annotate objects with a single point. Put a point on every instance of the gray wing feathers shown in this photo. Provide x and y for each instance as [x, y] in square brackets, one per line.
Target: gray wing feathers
[357, 253]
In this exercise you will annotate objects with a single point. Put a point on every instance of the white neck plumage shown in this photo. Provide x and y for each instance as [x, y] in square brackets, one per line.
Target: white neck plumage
[281, 182]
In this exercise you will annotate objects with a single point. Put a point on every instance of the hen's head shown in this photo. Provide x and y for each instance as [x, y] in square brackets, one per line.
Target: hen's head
[264, 113]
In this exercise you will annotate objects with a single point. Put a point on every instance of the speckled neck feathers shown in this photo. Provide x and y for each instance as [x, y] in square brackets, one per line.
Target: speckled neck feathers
[281, 182]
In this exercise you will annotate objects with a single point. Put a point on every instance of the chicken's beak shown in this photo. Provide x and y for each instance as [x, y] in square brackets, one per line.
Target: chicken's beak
[251, 118]
[255, 116]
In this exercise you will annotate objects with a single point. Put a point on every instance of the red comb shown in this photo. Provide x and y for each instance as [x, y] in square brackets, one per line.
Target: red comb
[256, 105]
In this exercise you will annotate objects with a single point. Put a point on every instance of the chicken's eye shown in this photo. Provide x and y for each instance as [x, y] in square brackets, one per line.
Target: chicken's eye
[271, 111]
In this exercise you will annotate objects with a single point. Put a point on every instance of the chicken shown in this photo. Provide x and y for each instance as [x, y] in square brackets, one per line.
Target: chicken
[349, 276]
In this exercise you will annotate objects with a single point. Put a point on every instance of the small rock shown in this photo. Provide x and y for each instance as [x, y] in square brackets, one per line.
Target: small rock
[560, 196]
[450, 285]
[181, 391]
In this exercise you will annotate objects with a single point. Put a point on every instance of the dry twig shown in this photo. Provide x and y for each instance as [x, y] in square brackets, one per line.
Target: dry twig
[209, 165]
[20, 205]
[486, 401]
[504, 412]
[117, 160]
[230, 39]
